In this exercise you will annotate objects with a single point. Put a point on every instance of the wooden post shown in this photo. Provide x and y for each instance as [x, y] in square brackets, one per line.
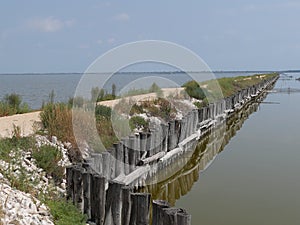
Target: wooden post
[170, 216]
[86, 182]
[118, 154]
[112, 167]
[183, 218]
[125, 142]
[106, 164]
[149, 144]
[143, 143]
[98, 196]
[113, 203]
[157, 209]
[70, 184]
[140, 208]
[165, 137]
[131, 153]
[171, 135]
[126, 205]
[77, 181]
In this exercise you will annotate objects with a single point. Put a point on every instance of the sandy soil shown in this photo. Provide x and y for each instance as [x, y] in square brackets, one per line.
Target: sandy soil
[166, 91]
[28, 123]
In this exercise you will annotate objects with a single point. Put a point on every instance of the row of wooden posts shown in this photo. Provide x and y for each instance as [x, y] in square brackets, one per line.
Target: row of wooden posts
[104, 187]
[206, 150]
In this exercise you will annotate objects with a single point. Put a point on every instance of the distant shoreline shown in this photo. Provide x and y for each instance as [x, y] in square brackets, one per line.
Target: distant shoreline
[162, 72]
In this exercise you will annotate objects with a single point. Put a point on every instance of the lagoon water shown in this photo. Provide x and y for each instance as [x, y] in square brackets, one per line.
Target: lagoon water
[255, 178]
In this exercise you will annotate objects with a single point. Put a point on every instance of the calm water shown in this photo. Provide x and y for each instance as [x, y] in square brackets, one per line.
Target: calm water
[254, 177]
[35, 88]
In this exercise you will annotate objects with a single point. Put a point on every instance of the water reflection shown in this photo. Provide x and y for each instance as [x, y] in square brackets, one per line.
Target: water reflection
[180, 183]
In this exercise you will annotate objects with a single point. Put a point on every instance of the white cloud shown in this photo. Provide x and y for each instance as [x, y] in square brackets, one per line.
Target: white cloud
[49, 24]
[122, 17]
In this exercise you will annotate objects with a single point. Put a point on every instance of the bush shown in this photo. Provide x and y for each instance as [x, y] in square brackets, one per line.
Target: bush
[103, 111]
[47, 158]
[138, 122]
[194, 90]
[12, 104]
[13, 100]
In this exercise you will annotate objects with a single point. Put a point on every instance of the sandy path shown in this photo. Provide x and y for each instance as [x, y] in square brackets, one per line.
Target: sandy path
[166, 91]
[24, 121]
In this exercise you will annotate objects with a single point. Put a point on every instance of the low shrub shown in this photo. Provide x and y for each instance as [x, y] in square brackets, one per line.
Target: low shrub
[138, 122]
[12, 104]
[47, 158]
[57, 120]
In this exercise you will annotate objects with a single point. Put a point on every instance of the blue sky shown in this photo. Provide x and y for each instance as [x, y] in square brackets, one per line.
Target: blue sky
[66, 36]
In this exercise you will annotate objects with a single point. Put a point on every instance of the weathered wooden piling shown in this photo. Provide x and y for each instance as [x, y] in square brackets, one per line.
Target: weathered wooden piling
[98, 196]
[140, 210]
[157, 209]
[126, 205]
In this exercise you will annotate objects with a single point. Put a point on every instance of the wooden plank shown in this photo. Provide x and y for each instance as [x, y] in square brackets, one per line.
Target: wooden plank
[151, 159]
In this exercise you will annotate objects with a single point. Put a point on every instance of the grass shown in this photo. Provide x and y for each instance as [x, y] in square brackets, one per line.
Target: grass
[65, 213]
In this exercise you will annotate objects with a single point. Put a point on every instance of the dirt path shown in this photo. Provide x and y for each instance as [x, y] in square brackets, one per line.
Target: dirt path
[25, 121]
[166, 91]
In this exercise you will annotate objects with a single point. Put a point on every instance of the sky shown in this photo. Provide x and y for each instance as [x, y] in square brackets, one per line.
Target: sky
[67, 36]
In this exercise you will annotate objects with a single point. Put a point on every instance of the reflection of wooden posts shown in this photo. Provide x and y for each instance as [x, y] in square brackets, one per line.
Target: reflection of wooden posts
[140, 208]
[157, 215]
[98, 196]
[126, 205]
